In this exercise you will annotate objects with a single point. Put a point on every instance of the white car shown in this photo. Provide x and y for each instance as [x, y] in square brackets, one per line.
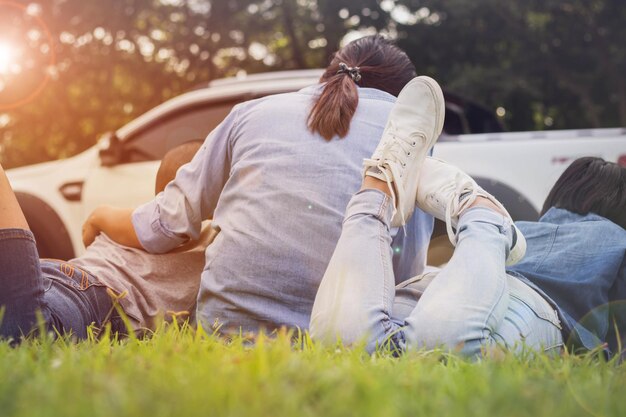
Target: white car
[57, 196]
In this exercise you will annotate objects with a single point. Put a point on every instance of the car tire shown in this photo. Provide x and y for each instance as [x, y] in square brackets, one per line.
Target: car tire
[51, 236]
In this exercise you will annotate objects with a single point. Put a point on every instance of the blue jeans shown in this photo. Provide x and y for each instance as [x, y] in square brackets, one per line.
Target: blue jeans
[469, 305]
[67, 298]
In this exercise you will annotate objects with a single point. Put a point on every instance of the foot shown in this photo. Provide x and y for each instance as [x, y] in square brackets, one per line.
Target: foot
[414, 124]
[444, 191]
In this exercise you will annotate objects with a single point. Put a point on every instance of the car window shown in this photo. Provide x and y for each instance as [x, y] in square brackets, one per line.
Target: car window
[454, 123]
[189, 124]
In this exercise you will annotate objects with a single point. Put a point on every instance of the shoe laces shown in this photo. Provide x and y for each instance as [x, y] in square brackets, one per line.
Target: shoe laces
[396, 149]
[464, 196]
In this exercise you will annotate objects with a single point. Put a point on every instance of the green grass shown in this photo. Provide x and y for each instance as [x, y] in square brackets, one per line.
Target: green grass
[179, 372]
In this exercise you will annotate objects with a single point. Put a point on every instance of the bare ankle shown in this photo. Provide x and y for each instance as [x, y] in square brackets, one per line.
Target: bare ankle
[486, 203]
[371, 183]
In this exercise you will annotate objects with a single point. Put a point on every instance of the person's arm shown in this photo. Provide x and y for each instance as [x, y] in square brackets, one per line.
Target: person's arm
[114, 222]
[176, 214]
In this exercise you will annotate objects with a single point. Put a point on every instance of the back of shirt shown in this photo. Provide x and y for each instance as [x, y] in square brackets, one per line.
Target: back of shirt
[277, 192]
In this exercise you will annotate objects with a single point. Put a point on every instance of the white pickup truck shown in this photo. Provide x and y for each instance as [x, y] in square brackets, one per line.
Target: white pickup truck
[518, 168]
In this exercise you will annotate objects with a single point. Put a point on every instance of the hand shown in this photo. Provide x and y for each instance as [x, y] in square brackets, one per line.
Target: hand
[90, 231]
[115, 222]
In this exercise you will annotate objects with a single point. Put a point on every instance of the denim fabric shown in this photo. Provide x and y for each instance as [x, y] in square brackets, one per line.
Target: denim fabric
[469, 305]
[579, 262]
[68, 298]
[277, 193]
[21, 283]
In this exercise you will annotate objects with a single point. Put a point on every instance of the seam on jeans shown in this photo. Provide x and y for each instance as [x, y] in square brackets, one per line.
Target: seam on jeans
[69, 271]
[386, 322]
[487, 331]
[413, 280]
[84, 282]
[509, 320]
[16, 233]
[64, 281]
[554, 346]
[383, 208]
[550, 315]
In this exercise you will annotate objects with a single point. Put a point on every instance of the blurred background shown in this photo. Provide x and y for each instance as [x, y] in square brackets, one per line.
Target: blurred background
[71, 70]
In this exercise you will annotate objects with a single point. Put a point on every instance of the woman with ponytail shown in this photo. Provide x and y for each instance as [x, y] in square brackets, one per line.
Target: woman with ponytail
[370, 62]
[275, 176]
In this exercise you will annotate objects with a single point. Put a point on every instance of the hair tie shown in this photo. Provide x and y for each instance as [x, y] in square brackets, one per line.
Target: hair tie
[353, 72]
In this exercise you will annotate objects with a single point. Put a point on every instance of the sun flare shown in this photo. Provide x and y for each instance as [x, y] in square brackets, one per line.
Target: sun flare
[8, 55]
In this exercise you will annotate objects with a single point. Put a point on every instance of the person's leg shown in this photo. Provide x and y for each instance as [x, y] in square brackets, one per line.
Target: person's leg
[529, 321]
[355, 298]
[76, 299]
[67, 299]
[468, 299]
[470, 306]
[21, 286]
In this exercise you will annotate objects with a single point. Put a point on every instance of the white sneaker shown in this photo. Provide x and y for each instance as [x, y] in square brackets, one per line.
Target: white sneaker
[444, 191]
[414, 124]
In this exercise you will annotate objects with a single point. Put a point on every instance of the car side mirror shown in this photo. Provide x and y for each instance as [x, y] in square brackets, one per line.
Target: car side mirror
[111, 153]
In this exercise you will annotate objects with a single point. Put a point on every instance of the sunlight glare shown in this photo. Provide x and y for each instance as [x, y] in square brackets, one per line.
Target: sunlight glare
[7, 57]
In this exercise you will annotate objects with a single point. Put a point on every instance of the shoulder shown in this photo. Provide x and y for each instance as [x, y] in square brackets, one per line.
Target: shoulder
[588, 227]
[376, 95]
[306, 95]
[271, 106]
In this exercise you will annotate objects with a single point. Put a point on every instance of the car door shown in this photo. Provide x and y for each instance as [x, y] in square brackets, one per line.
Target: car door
[129, 181]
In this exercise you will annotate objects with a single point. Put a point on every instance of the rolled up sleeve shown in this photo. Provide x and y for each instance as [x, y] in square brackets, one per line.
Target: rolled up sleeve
[176, 214]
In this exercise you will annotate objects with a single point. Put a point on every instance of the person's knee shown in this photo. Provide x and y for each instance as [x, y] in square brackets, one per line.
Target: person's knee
[331, 327]
[440, 330]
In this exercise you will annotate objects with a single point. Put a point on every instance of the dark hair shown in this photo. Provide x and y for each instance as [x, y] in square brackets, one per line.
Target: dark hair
[591, 185]
[382, 65]
[174, 159]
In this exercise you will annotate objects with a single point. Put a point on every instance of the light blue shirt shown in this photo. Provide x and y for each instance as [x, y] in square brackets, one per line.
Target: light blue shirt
[277, 192]
[579, 263]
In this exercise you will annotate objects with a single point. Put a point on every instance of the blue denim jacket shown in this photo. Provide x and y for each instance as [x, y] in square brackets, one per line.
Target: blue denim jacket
[277, 192]
[578, 262]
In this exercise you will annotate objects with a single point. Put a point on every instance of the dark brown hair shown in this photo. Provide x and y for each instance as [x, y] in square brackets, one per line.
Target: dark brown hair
[174, 159]
[382, 65]
[591, 185]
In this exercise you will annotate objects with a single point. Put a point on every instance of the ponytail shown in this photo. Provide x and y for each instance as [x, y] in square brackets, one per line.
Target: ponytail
[372, 62]
[332, 112]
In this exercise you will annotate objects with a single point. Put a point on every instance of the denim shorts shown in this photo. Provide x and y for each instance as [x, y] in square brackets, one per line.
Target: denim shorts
[68, 299]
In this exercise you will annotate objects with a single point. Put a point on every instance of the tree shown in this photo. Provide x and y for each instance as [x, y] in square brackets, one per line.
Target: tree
[549, 63]
[542, 63]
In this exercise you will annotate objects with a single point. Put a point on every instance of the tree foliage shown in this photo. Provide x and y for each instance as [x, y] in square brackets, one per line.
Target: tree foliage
[549, 63]
[542, 63]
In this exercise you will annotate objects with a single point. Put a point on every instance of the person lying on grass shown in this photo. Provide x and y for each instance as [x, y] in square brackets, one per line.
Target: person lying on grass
[567, 290]
[72, 295]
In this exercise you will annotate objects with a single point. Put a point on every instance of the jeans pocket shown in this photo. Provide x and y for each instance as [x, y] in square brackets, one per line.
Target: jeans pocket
[534, 301]
[540, 309]
[534, 323]
[69, 275]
